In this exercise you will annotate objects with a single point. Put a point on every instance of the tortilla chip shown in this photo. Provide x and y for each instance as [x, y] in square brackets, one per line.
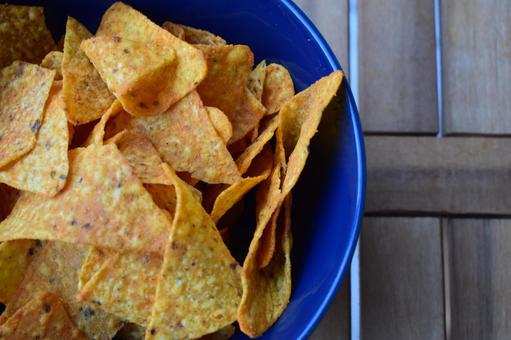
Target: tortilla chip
[193, 35]
[220, 122]
[85, 94]
[194, 261]
[186, 140]
[278, 88]
[14, 260]
[23, 34]
[256, 80]
[43, 317]
[98, 133]
[176, 30]
[247, 116]
[222, 334]
[103, 204]
[24, 89]
[125, 22]
[125, 286]
[140, 75]
[143, 158]
[245, 159]
[299, 121]
[55, 268]
[44, 169]
[266, 292]
[9, 198]
[165, 196]
[229, 68]
[53, 61]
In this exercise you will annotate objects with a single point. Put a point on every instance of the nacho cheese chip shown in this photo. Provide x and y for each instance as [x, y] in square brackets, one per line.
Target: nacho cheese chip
[14, 260]
[98, 132]
[23, 34]
[43, 317]
[53, 61]
[256, 80]
[193, 35]
[186, 140]
[278, 88]
[103, 204]
[44, 169]
[125, 22]
[220, 122]
[85, 94]
[195, 260]
[24, 89]
[176, 30]
[247, 116]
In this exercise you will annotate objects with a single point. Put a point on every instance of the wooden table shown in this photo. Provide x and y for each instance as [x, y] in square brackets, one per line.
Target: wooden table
[433, 79]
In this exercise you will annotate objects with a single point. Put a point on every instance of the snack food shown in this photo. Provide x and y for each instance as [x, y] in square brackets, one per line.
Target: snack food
[125, 227]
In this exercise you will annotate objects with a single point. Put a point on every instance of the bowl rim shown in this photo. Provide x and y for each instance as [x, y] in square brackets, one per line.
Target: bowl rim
[361, 165]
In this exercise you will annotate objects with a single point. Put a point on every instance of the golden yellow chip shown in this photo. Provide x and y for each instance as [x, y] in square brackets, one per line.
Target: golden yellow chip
[123, 285]
[53, 61]
[44, 169]
[85, 94]
[126, 23]
[196, 259]
[256, 80]
[266, 292]
[220, 122]
[103, 204]
[247, 116]
[55, 268]
[14, 260]
[186, 139]
[24, 89]
[278, 88]
[23, 34]
[9, 198]
[222, 334]
[43, 317]
[98, 132]
[245, 159]
[193, 35]
[140, 75]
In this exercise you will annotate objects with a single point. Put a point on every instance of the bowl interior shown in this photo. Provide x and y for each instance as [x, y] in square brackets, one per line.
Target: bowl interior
[328, 200]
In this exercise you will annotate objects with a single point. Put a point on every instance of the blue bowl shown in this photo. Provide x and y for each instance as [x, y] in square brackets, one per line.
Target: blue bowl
[328, 200]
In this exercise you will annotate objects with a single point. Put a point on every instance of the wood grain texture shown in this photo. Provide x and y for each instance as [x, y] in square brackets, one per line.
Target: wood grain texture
[397, 67]
[477, 66]
[480, 273]
[335, 323]
[401, 279]
[426, 174]
[331, 18]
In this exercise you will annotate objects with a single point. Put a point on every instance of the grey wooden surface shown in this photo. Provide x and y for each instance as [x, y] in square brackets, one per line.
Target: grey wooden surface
[479, 254]
[401, 275]
[438, 175]
[397, 66]
[477, 66]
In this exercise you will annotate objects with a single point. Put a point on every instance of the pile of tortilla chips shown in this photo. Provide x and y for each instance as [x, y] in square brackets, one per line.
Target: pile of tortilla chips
[125, 159]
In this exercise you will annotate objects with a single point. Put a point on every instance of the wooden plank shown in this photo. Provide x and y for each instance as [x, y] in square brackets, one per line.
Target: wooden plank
[335, 323]
[401, 279]
[331, 18]
[477, 66]
[397, 67]
[427, 174]
[480, 273]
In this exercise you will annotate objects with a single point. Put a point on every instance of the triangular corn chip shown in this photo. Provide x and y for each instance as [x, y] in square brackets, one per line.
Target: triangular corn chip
[256, 80]
[54, 268]
[44, 169]
[193, 35]
[98, 132]
[23, 34]
[24, 89]
[103, 204]
[125, 22]
[186, 140]
[14, 260]
[247, 116]
[176, 30]
[85, 94]
[195, 254]
[43, 317]
[220, 122]
[53, 61]
[266, 292]
[278, 88]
